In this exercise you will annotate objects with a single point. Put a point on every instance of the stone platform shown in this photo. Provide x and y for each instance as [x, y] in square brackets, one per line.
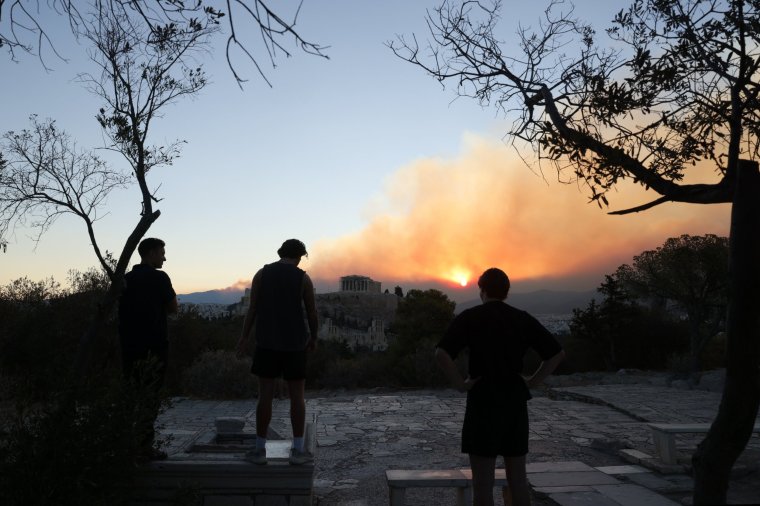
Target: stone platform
[210, 470]
[228, 481]
[360, 435]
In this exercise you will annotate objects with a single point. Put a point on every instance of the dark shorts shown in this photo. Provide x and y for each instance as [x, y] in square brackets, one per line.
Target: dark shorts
[495, 425]
[291, 365]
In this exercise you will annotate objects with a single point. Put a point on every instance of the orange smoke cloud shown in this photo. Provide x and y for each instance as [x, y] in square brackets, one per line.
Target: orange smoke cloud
[238, 285]
[448, 220]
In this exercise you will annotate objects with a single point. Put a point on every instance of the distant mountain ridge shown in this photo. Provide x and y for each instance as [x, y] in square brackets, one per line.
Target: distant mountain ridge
[543, 301]
[539, 302]
[223, 296]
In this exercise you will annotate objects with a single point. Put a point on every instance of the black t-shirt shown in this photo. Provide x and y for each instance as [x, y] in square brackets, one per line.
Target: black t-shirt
[497, 336]
[143, 305]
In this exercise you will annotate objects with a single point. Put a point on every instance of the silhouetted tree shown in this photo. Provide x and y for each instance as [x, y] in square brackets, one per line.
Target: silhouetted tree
[677, 86]
[607, 324]
[139, 74]
[398, 291]
[422, 317]
[692, 272]
[619, 331]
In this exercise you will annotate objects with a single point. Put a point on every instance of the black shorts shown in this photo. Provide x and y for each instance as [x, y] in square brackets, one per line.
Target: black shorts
[495, 425]
[291, 365]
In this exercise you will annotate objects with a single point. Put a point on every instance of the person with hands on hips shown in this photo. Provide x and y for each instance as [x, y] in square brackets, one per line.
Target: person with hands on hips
[497, 337]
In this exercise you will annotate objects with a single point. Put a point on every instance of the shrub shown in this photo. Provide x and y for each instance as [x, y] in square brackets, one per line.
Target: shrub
[219, 374]
[190, 336]
[75, 452]
[714, 354]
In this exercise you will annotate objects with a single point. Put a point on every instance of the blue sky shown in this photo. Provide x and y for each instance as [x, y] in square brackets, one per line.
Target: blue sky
[321, 156]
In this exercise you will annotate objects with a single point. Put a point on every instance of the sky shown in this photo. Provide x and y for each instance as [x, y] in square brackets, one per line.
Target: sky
[364, 157]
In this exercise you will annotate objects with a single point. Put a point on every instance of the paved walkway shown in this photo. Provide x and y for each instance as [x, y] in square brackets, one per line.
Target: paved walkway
[360, 435]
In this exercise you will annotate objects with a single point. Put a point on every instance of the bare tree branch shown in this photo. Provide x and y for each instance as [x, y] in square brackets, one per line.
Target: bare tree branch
[46, 176]
[642, 207]
[22, 30]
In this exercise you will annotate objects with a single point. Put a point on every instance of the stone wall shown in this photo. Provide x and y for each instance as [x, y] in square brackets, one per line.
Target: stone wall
[356, 318]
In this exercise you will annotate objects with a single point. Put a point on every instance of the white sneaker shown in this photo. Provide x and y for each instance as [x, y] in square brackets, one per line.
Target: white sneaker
[257, 456]
[298, 458]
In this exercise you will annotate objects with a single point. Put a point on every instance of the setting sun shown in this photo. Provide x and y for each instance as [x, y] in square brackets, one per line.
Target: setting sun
[460, 277]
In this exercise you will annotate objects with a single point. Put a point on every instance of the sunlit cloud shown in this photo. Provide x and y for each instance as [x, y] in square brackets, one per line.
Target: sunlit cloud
[447, 220]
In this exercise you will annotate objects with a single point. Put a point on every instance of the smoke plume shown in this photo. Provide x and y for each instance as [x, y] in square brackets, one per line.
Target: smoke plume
[445, 221]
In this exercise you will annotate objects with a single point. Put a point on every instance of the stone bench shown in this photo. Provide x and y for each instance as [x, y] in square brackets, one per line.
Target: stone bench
[225, 480]
[460, 479]
[664, 436]
[213, 471]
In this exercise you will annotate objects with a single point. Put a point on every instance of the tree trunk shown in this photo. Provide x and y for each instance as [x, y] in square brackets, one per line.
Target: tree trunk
[732, 427]
[696, 318]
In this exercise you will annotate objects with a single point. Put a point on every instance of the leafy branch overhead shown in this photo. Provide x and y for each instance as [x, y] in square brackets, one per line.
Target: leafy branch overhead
[675, 84]
[23, 30]
[137, 79]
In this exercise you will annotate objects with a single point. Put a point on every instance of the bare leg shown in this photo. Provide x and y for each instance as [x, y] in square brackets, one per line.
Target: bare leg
[518, 480]
[264, 406]
[297, 406]
[482, 479]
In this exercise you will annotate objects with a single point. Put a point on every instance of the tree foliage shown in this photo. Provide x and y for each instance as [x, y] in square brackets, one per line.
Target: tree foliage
[621, 332]
[422, 318]
[692, 273]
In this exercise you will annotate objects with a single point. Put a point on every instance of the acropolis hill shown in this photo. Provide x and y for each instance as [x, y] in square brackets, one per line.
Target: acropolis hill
[358, 314]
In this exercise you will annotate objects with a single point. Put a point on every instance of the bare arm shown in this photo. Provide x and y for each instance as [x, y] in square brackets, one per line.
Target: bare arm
[545, 369]
[172, 306]
[449, 368]
[250, 316]
[311, 311]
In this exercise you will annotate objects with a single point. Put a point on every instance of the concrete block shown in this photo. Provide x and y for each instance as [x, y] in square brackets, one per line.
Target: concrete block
[677, 484]
[547, 491]
[557, 467]
[582, 499]
[572, 478]
[270, 500]
[229, 424]
[300, 500]
[635, 456]
[425, 478]
[227, 500]
[622, 469]
[633, 495]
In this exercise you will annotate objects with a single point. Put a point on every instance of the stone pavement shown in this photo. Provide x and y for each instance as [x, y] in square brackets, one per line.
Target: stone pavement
[361, 434]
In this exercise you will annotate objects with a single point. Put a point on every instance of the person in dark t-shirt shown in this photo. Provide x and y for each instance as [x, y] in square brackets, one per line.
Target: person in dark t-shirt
[497, 336]
[280, 292]
[144, 304]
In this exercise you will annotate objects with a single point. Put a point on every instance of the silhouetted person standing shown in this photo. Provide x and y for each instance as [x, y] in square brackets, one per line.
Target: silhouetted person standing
[147, 299]
[280, 292]
[497, 337]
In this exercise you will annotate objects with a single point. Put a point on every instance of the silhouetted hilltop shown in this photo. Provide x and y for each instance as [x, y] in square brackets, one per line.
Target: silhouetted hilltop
[223, 296]
[543, 301]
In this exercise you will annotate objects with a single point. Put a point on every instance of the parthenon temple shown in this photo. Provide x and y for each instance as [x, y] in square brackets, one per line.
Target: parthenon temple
[359, 284]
